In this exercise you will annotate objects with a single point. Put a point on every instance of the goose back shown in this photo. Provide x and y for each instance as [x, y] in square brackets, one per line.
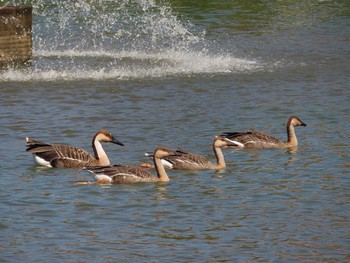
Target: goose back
[253, 139]
[121, 174]
[185, 160]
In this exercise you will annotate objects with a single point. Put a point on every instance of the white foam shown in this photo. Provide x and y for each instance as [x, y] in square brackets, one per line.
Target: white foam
[135, 65]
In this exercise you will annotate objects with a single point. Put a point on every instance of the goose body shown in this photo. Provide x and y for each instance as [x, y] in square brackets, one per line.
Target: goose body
[124, 174]
[191, 161]
[259, 140]
[66, 156]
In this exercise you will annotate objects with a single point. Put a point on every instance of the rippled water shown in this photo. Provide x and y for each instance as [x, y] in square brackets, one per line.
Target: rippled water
[177, 74]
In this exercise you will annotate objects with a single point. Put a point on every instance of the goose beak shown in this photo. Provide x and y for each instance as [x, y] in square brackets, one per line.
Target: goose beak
[231, 143]
[303, 124]
[115, 141]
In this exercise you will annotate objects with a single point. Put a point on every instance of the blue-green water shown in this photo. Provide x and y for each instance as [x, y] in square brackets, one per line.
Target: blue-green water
[176, 74]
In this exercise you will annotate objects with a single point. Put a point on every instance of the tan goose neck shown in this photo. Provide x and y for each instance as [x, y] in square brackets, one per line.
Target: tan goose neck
[161, 173]
[99, 152]
[292, 138]
[220, 160]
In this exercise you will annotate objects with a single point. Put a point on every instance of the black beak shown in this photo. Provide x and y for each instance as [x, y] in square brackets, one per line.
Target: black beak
[116, 142]
[303, 124]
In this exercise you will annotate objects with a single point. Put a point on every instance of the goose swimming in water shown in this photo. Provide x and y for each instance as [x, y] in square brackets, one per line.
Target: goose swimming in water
[124, 174]
[190, 161]
[258, 140]
[65, 156]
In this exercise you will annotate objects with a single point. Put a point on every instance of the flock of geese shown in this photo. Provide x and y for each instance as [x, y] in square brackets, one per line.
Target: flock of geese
[65, 156]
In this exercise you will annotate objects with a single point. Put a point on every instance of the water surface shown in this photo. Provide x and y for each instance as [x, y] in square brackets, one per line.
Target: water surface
[177, 74]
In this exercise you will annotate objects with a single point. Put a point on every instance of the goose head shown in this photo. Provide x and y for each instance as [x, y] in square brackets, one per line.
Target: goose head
[105, 136]
[295, 121]
[221, 142]
[163, 152]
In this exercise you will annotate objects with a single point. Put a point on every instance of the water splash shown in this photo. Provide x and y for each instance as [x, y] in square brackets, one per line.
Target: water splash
[75, 40]
[107, 25]
[97, 65]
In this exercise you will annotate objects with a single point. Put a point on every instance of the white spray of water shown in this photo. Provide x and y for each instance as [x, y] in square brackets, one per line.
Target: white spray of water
[79, 40]
[135, 65]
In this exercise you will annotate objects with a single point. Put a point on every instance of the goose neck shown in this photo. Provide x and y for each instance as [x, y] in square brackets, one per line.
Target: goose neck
[99, 152]
[220, 160]
[292, 138]
[161, 173]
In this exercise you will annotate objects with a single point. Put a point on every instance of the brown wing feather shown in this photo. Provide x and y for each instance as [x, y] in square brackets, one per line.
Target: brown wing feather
[43, 150]
[69, 163]
[123, 173]
[185, 160]
[253, 139]
[74, 153]
[60, 155]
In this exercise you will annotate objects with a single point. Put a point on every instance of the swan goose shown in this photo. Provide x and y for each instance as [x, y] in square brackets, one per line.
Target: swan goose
[259, 140]
[124, 174]
[66, 156]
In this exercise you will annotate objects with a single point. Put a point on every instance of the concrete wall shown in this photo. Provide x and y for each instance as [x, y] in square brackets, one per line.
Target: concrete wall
[15, 34]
